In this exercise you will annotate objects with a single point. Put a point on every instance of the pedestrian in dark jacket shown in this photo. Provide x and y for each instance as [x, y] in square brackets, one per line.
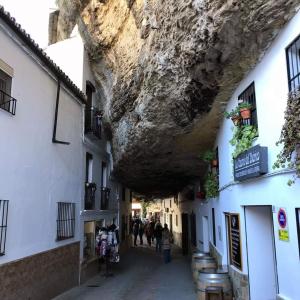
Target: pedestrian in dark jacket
[158, 235]
[141, 232]
[135, 231]
[149, 233]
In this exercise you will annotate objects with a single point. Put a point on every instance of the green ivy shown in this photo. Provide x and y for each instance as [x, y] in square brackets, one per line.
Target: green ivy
[242, 139]
[208, 156]
[289, 156]
[211, 185]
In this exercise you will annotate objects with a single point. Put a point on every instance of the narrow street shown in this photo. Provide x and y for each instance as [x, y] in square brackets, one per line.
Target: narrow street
[141, 274]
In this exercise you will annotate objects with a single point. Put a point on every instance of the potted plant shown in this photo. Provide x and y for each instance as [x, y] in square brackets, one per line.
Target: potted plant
[245, 110]
[234, 115]
[209, 156]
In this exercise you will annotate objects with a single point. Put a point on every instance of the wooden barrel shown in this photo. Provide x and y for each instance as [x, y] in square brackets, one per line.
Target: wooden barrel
[213, 278]
[202, 262]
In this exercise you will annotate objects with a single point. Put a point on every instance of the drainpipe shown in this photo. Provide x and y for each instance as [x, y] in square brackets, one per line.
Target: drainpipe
[54, 140]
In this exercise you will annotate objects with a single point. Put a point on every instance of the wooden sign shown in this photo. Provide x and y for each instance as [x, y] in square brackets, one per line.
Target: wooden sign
[235, 241]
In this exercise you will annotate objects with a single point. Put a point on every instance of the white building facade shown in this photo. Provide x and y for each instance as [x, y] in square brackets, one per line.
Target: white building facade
[102, 203]
[42, 170]
[253, 225]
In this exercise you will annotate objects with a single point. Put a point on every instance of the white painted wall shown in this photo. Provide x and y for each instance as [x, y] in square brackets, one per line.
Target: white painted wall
[69, 56]
[35, 173]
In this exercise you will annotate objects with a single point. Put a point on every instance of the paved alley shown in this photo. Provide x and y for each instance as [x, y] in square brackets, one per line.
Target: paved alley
[141, 274]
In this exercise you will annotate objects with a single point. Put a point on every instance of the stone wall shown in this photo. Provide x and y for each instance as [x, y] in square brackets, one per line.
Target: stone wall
[41, 276]
[165, 71]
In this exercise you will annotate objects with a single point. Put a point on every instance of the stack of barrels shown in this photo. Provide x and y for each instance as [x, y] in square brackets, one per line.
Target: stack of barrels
[212, 283]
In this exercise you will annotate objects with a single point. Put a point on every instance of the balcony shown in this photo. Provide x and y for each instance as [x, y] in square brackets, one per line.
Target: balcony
[93, 121]
[104, 198]
[89, 197]
[8, 103]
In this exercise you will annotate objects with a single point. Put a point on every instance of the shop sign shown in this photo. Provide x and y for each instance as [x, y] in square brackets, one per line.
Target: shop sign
[283, 231]
[251, 163]
[235, 241]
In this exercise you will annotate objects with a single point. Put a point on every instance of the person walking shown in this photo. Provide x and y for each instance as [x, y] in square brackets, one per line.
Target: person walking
[149, 233]
[158, 235]
[141, 232]
[135, 231]
[152, 226]
[166, 245]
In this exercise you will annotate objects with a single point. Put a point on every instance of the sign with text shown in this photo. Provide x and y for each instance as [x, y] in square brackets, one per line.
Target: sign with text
[251, 163]
[235, 241]
[283, 231]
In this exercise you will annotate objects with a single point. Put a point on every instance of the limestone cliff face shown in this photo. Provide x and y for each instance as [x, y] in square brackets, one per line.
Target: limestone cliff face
[165, 68]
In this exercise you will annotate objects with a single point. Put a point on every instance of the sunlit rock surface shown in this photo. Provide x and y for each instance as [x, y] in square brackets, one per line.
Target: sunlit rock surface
[165, 70]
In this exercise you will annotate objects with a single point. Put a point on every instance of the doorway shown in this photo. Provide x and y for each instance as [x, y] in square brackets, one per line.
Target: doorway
[205, 234]
[193, 229]
[185, 234]
[261, 252]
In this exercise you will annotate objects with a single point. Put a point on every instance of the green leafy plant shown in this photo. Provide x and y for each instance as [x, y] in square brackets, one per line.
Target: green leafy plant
[242, 139]
[289, 156]
[244, 105]
[211, 185]
[235, 112]
[208, 156]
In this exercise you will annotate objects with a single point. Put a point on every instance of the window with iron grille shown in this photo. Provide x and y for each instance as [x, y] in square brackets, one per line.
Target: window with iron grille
[65, 220]
[248, 95]
[3, 224]
[293, 64]
[7, 102]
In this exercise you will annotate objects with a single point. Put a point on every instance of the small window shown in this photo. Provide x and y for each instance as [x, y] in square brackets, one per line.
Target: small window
[293, 64]
[176, 220]
[7, 102]
[248, 95]
[3, 225]
[65, 220]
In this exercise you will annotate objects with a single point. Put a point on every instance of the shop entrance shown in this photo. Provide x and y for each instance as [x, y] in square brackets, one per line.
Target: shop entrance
[261, 252]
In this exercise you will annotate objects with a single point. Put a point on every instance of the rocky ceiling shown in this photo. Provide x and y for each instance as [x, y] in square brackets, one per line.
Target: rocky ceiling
[165, 70]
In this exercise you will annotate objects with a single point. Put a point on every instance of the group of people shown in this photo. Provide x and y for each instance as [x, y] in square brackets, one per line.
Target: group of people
[154, 230]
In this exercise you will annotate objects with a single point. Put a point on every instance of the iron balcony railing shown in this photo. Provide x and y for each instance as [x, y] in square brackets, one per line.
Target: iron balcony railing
[7, 102]
[89, 198]
[93, 121]
[104, 198]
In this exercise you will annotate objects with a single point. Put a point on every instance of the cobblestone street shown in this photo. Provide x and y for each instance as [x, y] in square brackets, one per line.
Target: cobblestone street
[141, 274]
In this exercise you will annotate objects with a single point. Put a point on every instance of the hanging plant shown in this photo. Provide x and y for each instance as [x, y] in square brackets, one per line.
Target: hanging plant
[289, 156]
[245, 110]
[211, 185]
[242, 139]
[234, 115]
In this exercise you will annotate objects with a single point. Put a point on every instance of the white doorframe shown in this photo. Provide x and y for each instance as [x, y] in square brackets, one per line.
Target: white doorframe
[261, 252]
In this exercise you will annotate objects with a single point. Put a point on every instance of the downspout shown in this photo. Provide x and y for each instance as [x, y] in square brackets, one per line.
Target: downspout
[54, 140]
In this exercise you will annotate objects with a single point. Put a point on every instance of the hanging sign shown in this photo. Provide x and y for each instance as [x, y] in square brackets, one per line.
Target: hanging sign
[235, 241]
[251, 163]
[283, 231]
